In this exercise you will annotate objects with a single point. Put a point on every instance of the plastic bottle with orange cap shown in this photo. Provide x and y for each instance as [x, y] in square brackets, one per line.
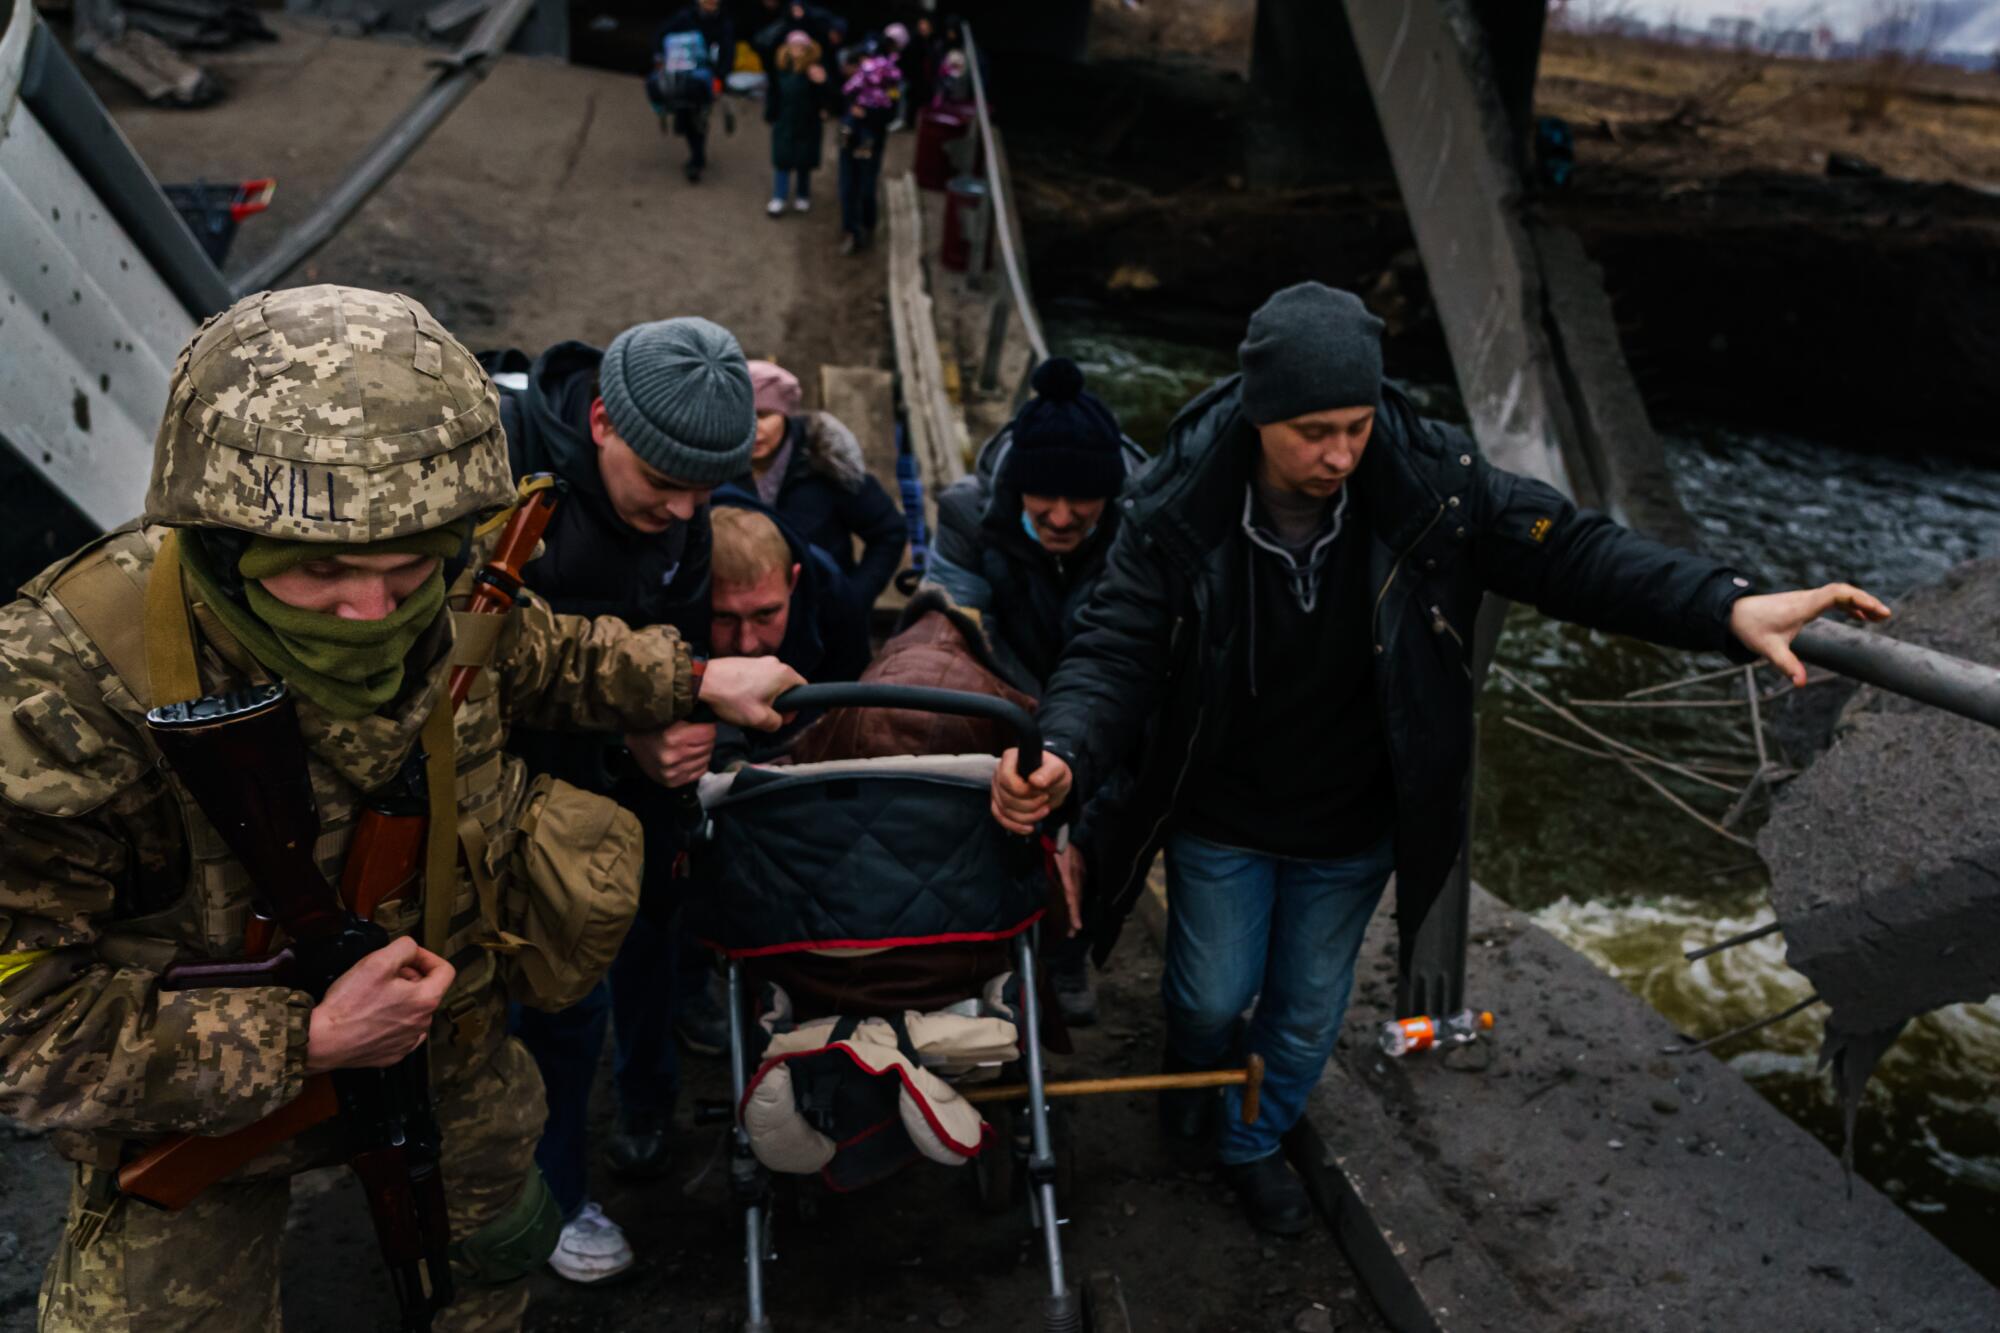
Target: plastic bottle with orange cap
[1403, 1036]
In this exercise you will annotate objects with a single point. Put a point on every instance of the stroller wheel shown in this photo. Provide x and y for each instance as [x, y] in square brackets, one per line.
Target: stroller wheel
[996, 1172]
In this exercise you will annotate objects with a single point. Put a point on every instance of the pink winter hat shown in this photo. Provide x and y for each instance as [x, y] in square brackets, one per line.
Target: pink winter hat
[774, 388]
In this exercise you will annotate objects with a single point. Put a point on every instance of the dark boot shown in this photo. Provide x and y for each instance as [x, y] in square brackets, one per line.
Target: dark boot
[702, 1020]
[1273, 1197]
[1189, 1117]
[640, 1149]
[1069, 978]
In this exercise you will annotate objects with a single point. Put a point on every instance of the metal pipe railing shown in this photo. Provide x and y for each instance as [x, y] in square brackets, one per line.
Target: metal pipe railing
[1969, 689]
[996, 198]
[458, 74]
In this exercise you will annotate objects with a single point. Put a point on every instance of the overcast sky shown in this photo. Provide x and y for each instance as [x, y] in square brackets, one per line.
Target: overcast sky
[1845, 17]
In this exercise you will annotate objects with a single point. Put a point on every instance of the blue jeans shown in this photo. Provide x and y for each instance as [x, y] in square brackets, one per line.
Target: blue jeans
[567, 1045]
[858, 176]
[1242, 926]
[781, 181]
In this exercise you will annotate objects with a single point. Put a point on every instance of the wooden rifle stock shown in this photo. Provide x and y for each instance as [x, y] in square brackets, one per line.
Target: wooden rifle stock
[172, 1174]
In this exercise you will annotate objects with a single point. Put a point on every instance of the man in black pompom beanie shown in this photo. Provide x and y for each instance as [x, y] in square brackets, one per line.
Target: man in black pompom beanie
[1022, 541]
[1280, 650]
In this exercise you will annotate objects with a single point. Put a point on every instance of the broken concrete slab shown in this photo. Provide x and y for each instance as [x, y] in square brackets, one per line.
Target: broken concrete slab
[1583, 1179]
[1885, 854]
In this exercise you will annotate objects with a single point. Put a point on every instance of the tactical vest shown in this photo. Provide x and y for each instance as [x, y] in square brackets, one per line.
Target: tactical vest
[100, 600]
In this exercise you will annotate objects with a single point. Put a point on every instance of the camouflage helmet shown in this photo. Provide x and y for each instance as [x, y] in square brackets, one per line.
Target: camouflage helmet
[327, 414]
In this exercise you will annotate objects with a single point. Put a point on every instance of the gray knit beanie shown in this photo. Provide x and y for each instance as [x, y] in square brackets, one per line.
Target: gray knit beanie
[1310, 347]
[678, 391]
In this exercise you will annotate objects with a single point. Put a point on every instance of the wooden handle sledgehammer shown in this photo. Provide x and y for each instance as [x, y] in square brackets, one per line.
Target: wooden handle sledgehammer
[1251, 1077]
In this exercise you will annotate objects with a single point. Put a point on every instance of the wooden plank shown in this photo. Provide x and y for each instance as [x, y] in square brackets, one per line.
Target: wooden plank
[937, 436]
[864, 399]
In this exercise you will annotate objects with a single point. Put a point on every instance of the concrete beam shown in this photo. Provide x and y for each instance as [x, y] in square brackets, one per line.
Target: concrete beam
[1457, 160]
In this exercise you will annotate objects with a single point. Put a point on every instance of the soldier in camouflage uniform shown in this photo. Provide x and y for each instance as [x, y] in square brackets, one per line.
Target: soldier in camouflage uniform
[317, 439]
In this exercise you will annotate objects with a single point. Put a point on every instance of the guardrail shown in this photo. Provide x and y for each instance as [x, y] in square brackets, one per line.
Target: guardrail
[458, 74]
[998, 213]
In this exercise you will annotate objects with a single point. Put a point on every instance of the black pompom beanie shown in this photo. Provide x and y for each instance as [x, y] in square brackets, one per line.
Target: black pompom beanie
[1066, 442]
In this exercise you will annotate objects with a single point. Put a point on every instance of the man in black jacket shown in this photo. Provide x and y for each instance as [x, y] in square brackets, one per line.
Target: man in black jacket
[641, 433]
[1022, 540]
[1289, 605]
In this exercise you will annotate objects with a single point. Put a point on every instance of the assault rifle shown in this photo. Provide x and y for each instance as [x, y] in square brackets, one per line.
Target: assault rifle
[243, 758]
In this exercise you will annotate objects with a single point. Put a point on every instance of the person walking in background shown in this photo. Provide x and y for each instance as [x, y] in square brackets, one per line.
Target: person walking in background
[954, 81]
[808, 468]
[800, 97]
[870, 93]
[688, 72]
[896, 46]
[918, 62]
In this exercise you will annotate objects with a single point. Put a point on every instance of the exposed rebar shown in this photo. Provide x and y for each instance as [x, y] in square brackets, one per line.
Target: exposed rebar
[1745, 1030]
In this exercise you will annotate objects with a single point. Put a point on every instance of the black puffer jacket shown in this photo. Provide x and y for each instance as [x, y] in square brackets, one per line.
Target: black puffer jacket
[1151, 659]
[1028, 599]
[829, 497]
[593, 563]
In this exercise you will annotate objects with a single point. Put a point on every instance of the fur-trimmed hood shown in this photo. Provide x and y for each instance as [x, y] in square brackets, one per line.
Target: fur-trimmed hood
[823, 444]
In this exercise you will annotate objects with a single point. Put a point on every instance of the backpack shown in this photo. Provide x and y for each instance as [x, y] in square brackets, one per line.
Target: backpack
[686, 77]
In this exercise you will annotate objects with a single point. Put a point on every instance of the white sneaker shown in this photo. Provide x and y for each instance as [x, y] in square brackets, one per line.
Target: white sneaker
[802, 205]
[592, 1248]
[775, 207]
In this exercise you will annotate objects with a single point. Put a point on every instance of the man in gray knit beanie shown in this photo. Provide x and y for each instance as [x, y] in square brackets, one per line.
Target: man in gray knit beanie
[675, 414]
[642, 432]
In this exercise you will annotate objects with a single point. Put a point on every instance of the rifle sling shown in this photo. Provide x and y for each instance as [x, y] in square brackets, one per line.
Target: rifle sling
[171, 673]
[441, 834]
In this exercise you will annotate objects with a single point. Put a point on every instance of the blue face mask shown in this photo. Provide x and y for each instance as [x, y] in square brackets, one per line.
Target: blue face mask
[1028, 526]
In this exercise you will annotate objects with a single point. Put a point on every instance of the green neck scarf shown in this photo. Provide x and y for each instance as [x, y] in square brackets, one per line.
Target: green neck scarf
[351, 668]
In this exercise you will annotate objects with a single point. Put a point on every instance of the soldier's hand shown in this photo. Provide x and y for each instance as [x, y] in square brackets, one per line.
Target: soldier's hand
[675, 756]
[740, 690]
[1020, 803]
[1767, 625]
[379, 1010]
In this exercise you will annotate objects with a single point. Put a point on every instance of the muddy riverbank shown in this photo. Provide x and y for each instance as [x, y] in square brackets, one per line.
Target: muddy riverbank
[1753, 289]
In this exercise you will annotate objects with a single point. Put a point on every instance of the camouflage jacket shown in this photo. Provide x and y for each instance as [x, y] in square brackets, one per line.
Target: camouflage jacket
[107, 872]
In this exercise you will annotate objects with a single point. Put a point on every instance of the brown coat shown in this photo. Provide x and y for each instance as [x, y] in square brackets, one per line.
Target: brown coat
[935, 645]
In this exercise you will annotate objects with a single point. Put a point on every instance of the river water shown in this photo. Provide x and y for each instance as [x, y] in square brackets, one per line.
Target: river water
[1610, 867]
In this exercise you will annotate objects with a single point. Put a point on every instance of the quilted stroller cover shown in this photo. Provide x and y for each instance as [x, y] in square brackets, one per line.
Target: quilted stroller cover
[870, 853]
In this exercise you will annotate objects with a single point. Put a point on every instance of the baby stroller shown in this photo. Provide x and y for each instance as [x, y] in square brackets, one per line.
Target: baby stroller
[863, 906]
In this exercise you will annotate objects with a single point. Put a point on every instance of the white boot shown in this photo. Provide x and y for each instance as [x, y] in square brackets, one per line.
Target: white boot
[592, 1248]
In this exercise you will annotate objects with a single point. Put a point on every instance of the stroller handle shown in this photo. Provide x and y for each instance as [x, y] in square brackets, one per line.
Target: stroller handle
[923, 699]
